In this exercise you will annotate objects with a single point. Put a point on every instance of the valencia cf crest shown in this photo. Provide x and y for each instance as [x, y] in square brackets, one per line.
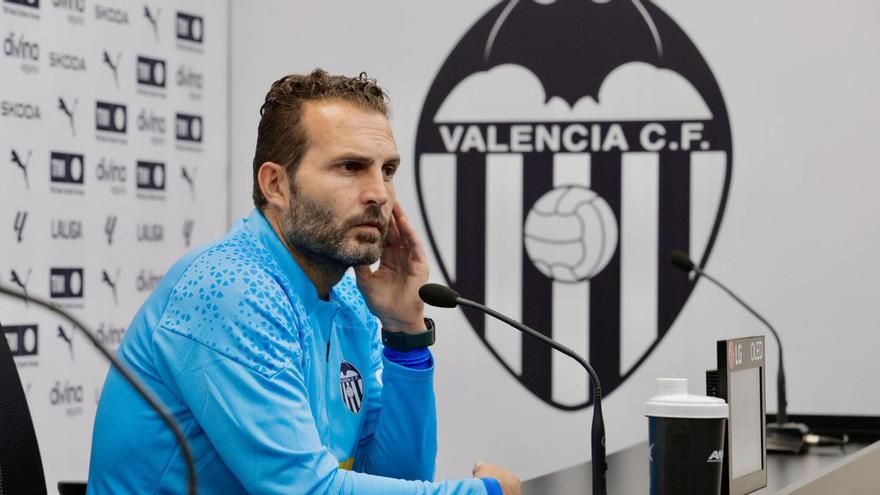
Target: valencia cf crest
[564, 149]
[351, 385]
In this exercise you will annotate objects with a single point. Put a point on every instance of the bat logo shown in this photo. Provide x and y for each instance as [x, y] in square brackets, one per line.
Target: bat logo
[113, 63]
[190, 177]
[22, 284]
[111, 282]
[572, 141]
[68, 339]
[18, 225]
[23, 165]
[153, 19]
[69, 111]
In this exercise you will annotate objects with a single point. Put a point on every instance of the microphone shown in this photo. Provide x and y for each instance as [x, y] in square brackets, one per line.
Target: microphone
[148, 396]
[781, 435]
[444, 297]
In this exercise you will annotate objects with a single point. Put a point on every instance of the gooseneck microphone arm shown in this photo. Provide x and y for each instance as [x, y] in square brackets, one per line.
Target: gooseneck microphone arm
[682, 261]
[148, 396]
[444, 297]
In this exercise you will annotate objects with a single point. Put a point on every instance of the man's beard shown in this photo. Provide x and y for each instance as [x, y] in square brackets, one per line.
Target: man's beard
[311, 228]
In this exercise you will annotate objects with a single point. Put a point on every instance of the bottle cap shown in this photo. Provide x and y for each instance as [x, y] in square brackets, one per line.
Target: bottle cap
[674, 401]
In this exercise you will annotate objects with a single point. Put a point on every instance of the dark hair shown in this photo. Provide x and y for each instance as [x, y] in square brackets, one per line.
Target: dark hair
[281, 137]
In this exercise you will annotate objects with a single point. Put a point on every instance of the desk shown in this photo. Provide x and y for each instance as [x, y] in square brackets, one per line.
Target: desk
[628, 471]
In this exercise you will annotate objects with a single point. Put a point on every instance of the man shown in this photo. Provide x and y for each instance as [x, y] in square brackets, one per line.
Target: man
[267, 353]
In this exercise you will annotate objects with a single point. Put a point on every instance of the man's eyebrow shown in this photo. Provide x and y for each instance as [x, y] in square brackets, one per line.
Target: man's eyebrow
[351, 157]
[358, 158]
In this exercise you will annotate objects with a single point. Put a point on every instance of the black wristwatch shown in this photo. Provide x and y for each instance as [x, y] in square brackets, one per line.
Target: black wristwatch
[400, 341]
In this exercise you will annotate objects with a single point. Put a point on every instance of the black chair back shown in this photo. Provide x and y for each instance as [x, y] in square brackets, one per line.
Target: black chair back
[21, 467]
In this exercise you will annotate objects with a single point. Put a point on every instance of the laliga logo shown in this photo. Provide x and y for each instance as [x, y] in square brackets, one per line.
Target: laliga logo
[563, 150]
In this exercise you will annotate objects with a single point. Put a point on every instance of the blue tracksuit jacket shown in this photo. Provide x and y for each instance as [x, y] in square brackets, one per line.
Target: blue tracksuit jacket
[277, 391]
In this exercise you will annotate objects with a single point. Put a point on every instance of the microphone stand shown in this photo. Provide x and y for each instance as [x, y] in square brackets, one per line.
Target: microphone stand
[599, 467]
[782, 435]
[148, 396]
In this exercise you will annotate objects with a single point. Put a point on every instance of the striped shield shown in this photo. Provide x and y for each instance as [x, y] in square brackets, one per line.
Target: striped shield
[564, 221]
[351, 386]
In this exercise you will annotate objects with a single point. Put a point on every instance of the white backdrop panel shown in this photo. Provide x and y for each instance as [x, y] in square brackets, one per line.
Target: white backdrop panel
[798, 239]
[113, 141]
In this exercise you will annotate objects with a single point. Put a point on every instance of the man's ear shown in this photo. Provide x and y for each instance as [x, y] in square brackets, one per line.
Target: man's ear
[273, 181]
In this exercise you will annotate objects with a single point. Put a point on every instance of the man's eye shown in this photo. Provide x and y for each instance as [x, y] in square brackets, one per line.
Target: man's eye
[350, 166]
[389, 171]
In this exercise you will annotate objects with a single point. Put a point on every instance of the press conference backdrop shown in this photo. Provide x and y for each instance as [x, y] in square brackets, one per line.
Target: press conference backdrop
[556, 151]
[113, 163]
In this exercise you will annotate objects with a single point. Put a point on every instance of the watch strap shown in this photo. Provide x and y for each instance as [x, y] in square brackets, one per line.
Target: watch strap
[401, 341]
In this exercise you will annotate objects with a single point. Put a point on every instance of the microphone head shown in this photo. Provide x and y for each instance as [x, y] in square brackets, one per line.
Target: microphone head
[438, 295]
[681, 260]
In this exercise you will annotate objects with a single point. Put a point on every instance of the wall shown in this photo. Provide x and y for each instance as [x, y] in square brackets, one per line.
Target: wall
[796, 238]
[98, 199]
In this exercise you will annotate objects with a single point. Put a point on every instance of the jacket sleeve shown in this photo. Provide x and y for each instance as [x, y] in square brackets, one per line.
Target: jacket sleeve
[259, 419]
[399, 437]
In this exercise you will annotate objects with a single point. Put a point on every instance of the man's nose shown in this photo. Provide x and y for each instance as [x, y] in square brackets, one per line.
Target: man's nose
[375, 188]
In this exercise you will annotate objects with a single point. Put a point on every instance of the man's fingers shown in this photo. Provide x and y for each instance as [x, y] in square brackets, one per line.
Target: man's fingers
[393, 237]
[408, 234]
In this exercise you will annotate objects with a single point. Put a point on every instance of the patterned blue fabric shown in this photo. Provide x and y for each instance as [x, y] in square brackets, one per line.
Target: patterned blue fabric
[276, 390]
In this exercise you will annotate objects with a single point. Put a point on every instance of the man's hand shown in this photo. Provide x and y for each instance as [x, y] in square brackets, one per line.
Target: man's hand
[510, 484]
[392, 291]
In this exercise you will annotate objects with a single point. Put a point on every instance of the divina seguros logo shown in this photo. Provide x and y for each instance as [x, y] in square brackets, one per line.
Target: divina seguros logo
[75, 10]
[111, 172]
[567, 197]
[19, 47]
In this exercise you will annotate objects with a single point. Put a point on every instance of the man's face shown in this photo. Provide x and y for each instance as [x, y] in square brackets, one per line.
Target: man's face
[342, 192]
